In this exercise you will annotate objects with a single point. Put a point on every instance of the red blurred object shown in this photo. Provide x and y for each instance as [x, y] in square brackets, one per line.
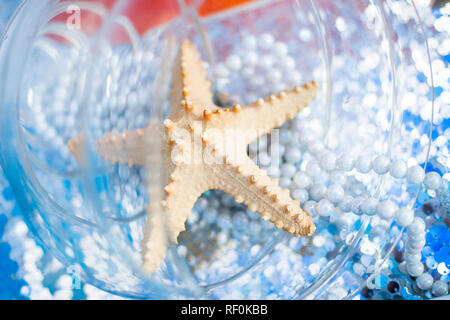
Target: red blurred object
[146, 14]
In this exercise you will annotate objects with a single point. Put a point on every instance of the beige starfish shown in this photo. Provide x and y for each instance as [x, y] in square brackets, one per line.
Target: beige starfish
[205, 147]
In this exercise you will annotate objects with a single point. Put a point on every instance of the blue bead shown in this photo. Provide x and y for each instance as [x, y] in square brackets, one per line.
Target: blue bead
[8, 194]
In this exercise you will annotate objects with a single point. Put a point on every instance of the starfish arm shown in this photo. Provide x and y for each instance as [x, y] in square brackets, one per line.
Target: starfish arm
[124, 147]
[166, 218]
[191, 88]
[265, 114]
[251, 185]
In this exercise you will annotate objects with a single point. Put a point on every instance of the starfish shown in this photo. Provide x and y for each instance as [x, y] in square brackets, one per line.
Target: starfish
[204, 147]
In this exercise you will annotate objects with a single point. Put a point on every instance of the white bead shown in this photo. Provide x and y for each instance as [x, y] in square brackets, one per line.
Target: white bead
[417, 227]
[288, 170]
[249, 42]
[315, 147]
[440, 288]
[402, 267]
[324, 208]
[432, 180]
[369, 206]
[288, 63]
[363, 164]
[265, 62]
[234, 62]
[425, 281]
[280, 49]
[399, 169]
[328, 161]
[415, 174]
[415, 245]
[357, 205]
[386, 209]
[335, 193]
[415, 269]
[250, 59]
[302, 180]
[310, 207]
[285, 136]
[285, 182]
[313, 168]
[274, 75]
[294, 78]
[346, 204]
[273, 172]
[404, 217]
[337, 177]
[413, 258]
[300, 195]
[381, 164]
[265, 41]
[346, 162]
[318, 191]
[293, 155]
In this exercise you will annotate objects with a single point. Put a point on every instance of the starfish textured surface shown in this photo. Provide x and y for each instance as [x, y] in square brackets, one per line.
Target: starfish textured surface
[205, 147]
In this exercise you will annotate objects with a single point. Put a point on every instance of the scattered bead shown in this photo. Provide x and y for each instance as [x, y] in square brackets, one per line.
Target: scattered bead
[335, 193]
[300, 195]
[234, 62]
[424, 281]
[328, 161]
[302, 180]
[265, 41]
[324, 208]
[439, 288]
[318, 191]
[313, 168]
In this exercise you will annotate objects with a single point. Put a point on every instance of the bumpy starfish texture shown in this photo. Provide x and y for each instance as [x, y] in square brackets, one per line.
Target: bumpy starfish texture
[226, 166]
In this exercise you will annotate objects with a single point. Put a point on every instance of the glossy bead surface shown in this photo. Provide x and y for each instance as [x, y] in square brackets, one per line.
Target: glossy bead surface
[417, 226]
[328, 161]
[234, 62]
[265, 41]
[425, 281]
[318, 191]
[415, 175]
[386, 209]
[404, 216]
[415, 269]
[439, 288]
[335, 193]
[432, 180]
[399, 169]
[292, 155]
[369, 206]
[313, 168]
[381, 164]
[302, 180]
[324, 208]
[345, 162]
[301, 195]
[346, 204]
[363, 164]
